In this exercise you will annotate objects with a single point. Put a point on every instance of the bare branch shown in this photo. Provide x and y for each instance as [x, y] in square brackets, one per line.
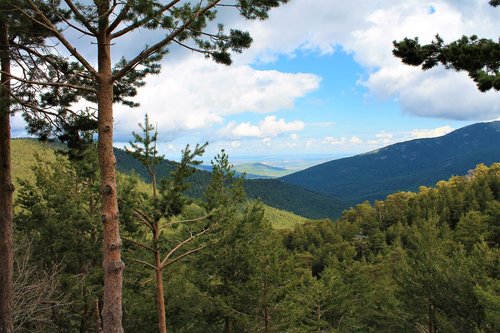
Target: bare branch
[139, 244]
[190, 220]
[141, 262]
[183, 255]
[144, 218]
[48, 24]
[140, 23]
[181, 244]
[51, 84]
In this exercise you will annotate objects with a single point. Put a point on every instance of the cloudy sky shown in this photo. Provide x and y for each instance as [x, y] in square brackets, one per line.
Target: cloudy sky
[319, 79]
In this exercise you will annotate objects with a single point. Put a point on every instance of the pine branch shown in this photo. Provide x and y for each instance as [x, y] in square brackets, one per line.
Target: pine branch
[140, 23]
[121, 16]
[48, 24]
[158, 46]
[139, 244]
[50, 84]
[81, 18]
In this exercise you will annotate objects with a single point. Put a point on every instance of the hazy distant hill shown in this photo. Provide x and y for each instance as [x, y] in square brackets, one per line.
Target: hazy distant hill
[273, 192]
[403, 166]
[262, 170]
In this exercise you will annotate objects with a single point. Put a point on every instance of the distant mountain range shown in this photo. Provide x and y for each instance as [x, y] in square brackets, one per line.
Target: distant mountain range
[255, 170]
[325, 190]
[403, 166]
[261, 170]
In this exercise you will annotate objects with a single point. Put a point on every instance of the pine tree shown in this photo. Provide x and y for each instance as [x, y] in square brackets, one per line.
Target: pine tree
[158, 212]
[106, 21]
[16, 34]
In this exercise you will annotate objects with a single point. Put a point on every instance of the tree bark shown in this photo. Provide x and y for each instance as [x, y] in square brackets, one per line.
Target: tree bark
[112, 264]
[6, 189]
[160, 299]
[228, 326]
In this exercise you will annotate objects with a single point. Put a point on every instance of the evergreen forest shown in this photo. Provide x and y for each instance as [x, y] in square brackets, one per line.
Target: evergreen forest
[427, 261]
[94, 239]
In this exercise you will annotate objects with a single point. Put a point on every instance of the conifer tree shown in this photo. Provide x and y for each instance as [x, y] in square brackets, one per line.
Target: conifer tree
[17, 34]
[157, 212]
[105, 22]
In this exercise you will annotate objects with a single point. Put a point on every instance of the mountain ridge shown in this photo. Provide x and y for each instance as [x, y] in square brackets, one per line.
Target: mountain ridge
[403, 166]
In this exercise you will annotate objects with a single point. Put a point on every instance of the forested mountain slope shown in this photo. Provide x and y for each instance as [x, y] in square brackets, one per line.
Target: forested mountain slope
[403, 166]
[272, 192]
[423, 261]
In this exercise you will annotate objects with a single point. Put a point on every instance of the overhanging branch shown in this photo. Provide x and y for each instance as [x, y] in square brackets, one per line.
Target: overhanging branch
[158, 46]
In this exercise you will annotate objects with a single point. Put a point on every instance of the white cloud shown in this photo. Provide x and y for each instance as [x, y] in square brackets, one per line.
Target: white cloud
[342, 141]
[381, 139]
[366, 29]
[267, 128]
[321, 124]
[267, 141]
[355, 140]
[430, 133]
[193, 94]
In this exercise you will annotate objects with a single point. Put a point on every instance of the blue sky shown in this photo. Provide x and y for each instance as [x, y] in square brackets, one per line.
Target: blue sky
[319, 79]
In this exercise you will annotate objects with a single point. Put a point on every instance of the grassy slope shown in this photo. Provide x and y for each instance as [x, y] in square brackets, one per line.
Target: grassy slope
[24, 155]
[24, 152]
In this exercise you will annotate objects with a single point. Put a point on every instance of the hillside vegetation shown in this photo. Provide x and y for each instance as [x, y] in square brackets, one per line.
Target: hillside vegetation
[423, 261]
[403, 166]
[27, 152]
[24, 156]
[272, 192]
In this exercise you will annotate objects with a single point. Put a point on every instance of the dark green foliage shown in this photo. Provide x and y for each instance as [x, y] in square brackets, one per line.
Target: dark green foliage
[59, 215]
[479, 57]
[144, 147]
[271, 191]
[425, 261]
[419, 261]
[293, 198]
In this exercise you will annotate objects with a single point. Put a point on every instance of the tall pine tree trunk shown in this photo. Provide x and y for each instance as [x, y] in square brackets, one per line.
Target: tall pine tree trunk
[162, 320]
[112, 264]
[6, 189]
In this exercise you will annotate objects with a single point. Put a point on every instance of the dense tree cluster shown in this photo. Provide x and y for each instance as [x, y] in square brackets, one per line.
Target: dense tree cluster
[414, 262]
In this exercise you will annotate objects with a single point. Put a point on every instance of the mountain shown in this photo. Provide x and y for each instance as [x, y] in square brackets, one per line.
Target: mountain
[261, 170]
[272, 192]
[403, 166]
[208, 168]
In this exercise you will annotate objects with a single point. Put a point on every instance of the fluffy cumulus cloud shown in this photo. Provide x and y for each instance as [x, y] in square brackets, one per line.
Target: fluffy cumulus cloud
[366, 29]
[193, 94]
[267, 128]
